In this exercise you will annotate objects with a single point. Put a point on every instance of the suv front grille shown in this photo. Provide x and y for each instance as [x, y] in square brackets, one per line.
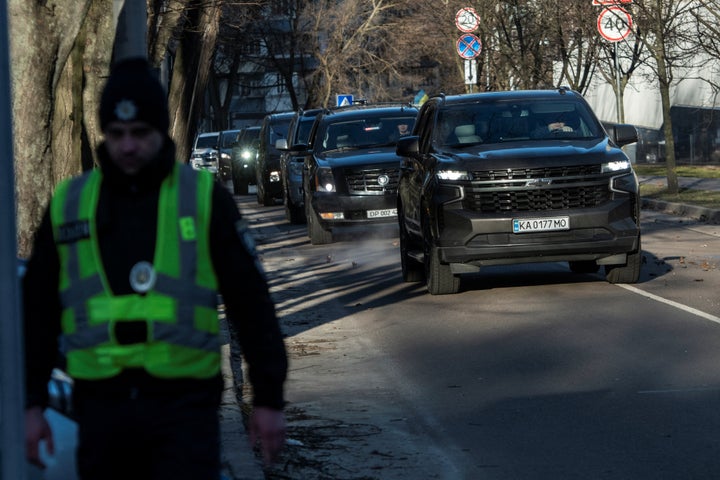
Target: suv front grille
[536, 189]
[365, 180]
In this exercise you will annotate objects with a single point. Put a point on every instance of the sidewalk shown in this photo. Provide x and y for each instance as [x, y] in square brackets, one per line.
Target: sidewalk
[680, 209]
[238, 460]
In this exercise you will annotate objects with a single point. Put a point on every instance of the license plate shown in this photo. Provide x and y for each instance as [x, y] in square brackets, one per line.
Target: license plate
[524, 225]
[390, 212]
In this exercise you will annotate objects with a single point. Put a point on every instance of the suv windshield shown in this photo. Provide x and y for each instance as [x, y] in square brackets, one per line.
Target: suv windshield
[228, 138]
[370, 131]
[207, 141]
[508, 121]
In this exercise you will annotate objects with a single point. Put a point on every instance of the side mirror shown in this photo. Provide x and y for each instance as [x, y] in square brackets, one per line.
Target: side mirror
[281, 144]
[408, 146]
[625, 134]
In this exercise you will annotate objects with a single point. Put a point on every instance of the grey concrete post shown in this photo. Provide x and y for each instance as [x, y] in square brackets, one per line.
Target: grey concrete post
[12, 397]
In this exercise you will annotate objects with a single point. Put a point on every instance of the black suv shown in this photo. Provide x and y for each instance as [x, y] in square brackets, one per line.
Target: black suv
[291, 163]
[351, 169]
[244, 158]
[516, 177]
[269, 184]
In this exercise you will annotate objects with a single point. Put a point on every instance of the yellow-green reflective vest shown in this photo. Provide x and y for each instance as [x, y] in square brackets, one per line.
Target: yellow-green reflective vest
[180, 309]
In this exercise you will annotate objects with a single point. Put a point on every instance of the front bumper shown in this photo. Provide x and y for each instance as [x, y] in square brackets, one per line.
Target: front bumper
[337, 209]
[604, 234]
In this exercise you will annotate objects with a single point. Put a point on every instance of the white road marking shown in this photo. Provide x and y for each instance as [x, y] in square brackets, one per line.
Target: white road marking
[677, 305]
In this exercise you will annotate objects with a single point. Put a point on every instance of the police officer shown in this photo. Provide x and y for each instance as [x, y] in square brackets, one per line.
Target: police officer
[126, 269]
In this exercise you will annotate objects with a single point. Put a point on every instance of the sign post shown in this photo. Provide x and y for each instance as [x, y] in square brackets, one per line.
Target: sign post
[615, 24]
[468, 45]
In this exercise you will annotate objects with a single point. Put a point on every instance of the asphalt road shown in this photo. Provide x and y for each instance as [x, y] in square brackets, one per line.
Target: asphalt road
[529, 372]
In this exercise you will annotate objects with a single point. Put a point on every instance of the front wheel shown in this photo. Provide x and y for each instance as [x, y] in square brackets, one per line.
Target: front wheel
[438, 276]
[412, 271]
[240, 185]
[628, 273]
[318, 235]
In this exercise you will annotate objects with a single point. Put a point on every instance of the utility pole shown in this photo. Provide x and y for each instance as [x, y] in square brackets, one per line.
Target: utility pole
[12, 391]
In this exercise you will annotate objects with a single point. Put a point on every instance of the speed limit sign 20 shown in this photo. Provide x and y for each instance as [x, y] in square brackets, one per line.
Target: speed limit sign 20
[614, 24]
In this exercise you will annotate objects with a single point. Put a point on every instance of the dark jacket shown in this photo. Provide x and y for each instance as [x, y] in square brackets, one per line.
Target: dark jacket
[126, 224]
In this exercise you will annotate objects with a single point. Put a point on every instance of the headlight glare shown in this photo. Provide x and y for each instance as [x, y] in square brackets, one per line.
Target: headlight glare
[453, 175]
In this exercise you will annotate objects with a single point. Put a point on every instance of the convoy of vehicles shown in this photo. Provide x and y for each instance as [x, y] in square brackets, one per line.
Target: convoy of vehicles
[516, 177]
[471, 180]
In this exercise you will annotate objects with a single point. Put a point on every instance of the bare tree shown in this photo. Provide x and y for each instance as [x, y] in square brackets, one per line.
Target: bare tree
[348, 40]
[671, 43]
[573, 35]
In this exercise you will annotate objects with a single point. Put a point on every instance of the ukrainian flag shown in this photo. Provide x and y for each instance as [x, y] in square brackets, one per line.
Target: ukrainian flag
[421, 98]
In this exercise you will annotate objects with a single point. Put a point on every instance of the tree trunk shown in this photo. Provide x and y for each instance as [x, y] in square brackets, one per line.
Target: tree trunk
[670, 164]
[193, 61]
[42, 36]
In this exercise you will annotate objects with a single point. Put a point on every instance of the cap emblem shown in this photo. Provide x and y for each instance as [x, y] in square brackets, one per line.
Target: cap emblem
[126, 110]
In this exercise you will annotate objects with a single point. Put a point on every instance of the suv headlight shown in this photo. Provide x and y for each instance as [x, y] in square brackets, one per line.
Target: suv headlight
[246, 154]
[453, 175]
[617, 166]
[324, 180]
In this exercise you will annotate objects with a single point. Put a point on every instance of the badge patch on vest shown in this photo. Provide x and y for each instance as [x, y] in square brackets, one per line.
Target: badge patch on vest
[73, 231]
[142, 277]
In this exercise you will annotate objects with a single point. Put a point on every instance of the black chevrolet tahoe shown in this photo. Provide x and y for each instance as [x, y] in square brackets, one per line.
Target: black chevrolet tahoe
[515, 177]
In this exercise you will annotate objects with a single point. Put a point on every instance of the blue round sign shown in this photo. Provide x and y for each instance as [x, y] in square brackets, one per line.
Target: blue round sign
[469, 46]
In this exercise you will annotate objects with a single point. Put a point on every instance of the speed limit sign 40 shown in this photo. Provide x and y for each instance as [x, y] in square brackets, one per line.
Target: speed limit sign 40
[614, 24]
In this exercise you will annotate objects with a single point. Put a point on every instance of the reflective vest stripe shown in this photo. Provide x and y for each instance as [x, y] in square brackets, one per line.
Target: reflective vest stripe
[79, 288]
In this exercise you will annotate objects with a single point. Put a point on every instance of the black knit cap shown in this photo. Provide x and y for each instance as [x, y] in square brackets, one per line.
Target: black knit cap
[134, 94]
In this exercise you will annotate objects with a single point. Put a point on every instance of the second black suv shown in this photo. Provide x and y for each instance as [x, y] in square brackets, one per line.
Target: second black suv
[351, 169]
[291, 163]
[516, 177]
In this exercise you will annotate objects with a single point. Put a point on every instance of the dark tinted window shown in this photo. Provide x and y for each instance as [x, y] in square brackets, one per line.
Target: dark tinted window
[373, 130]
[508, 120]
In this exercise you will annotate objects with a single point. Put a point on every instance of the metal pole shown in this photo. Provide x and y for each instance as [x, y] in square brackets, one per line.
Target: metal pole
[12, 393]
[618, 101]
[131, 32]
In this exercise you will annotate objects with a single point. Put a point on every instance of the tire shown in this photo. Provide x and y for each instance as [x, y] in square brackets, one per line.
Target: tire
[240, 185]
[267, 199]
[293, 213]
[438, 276]
[584, 266]
[412, 271]
[317, 234]
[628, 273]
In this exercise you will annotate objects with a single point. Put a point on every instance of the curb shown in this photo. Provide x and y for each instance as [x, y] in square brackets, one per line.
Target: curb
[680, 209]
[239, 462]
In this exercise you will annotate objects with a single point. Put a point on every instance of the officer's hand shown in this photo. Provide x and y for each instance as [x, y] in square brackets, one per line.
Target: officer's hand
[36, 430]
[267, 426]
